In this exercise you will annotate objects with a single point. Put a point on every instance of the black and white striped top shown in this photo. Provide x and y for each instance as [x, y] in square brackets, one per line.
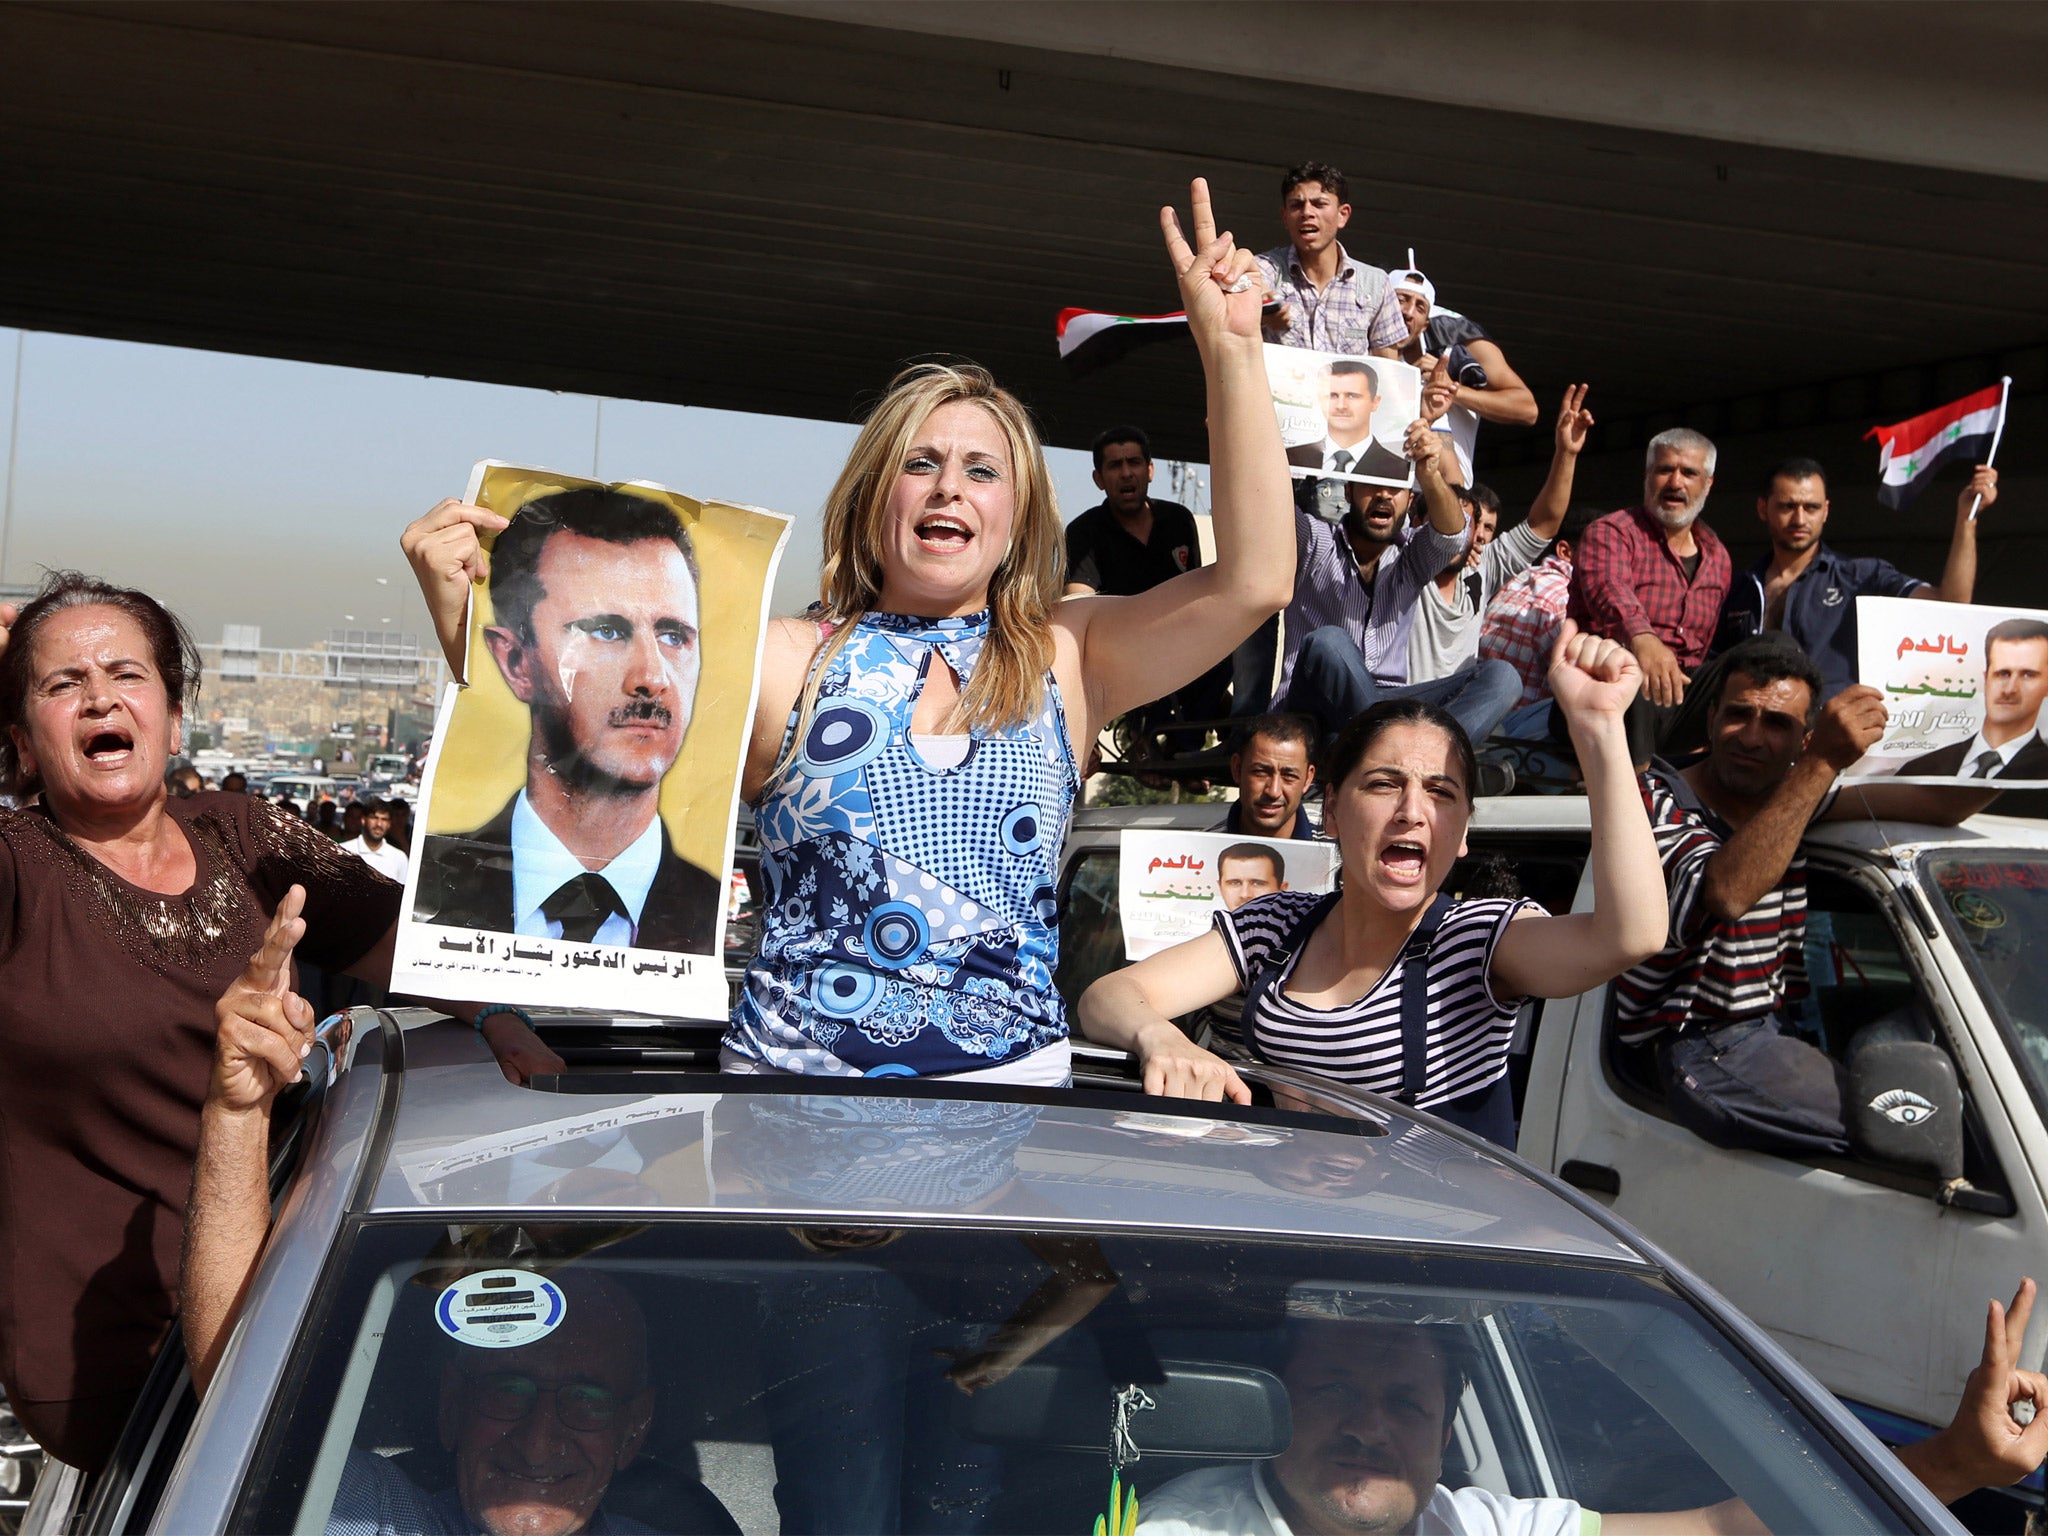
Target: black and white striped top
[1360, 1043]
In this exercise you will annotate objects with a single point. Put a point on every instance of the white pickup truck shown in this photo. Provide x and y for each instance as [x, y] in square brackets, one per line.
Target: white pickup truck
[1872, 1273]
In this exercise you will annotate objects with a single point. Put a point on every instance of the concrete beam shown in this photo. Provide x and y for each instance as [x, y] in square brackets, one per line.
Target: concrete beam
[1954, 86]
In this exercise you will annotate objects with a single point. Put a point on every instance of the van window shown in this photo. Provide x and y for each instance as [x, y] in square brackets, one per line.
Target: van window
[1091, 924]
[1860, 987]
[1996, 908]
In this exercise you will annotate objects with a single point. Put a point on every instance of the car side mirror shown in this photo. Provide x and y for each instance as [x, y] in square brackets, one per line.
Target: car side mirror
[1906, 1109]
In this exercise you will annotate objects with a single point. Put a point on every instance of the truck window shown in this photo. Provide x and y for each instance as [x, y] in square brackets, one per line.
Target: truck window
[1860, 986]
[1544, 869]
[1995, 906]
[1091, 924]
[1854, 968]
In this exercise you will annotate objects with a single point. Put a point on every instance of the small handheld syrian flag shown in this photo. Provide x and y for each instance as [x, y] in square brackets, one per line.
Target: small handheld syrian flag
[1909, 453]
[1091, 338]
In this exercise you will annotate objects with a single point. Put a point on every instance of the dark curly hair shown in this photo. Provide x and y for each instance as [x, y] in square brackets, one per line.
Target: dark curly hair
[170, 647]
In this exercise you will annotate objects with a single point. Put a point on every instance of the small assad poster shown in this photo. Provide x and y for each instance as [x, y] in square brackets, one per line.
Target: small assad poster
[1963, 687]
[1344, 418]
[1171, 885]
[577, 807]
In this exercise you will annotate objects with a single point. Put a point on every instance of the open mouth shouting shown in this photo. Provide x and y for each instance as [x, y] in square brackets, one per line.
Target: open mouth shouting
[109, 747]
[1404, 861]
[943, 534]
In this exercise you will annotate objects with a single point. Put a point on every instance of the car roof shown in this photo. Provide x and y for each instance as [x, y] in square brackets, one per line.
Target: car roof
[854, 1151]
[1907, 839]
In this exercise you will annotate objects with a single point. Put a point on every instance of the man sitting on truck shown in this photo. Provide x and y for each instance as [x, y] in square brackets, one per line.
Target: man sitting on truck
[1707, 1012]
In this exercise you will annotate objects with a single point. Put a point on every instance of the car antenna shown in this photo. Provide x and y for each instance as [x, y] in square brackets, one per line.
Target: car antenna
[1898, 860]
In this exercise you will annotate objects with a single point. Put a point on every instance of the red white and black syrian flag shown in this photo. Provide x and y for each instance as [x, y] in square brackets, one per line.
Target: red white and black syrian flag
[1909, 453]
[1092, 338]
[1089, 338]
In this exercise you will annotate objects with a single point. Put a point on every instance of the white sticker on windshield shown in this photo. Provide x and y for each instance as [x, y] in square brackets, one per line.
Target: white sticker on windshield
[501, 1308]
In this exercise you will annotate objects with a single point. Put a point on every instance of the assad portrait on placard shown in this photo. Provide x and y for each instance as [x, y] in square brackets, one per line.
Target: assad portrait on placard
[584, 784]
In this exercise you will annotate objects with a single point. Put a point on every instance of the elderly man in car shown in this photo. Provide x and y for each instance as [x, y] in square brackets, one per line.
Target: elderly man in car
[536, 1433]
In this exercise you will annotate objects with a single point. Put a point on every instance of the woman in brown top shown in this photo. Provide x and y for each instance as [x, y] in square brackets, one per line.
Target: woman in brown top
[124, 915]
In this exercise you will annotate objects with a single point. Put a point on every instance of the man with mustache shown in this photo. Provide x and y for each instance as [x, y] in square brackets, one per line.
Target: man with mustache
[1652, 577]
[1356, 589]
[594, 597]
[1374, 1405]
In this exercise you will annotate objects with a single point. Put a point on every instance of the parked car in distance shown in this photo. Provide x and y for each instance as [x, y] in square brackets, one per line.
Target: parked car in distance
[822, 1264]
[302, 787]
[1934, 933]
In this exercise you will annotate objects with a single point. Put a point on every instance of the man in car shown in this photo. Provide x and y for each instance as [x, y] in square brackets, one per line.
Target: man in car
[1373, 1407]
[1247, 871]
[595, 609]
[1273, 772]
[2008, 745]
[1708, 1010]
[536, 1433]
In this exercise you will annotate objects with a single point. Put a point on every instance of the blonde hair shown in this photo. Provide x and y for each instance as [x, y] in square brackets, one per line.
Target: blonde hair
[1008, 686]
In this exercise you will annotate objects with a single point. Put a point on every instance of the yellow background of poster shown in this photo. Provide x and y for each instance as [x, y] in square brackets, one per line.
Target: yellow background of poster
[483, 762]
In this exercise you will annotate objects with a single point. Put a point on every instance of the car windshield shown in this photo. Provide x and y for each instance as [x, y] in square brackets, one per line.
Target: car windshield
[1996, 907]
[710, 1375]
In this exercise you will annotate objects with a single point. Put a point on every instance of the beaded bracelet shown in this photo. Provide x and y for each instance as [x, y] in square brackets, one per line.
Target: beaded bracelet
[520, 1014]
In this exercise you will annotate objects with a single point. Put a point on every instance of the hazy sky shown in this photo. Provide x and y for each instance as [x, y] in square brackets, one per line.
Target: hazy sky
[248, 490]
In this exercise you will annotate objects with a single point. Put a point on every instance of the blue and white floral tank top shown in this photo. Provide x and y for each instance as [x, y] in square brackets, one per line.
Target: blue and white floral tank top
[908, 926]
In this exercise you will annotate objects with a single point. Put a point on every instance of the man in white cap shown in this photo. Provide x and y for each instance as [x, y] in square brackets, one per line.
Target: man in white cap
[1483, 386]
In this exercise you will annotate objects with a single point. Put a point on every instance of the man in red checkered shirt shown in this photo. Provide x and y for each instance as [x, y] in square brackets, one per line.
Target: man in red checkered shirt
[1652, 577]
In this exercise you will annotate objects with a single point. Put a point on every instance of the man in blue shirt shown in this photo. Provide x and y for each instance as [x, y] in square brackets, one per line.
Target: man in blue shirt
[1809, 590]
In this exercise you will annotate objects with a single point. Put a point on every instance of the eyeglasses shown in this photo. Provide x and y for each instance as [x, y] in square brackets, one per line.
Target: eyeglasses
[509, 1397]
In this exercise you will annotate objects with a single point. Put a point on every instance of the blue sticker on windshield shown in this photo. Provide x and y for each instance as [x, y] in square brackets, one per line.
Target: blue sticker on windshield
[501, 1308]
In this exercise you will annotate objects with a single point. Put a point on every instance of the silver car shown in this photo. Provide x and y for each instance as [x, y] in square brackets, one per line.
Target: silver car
[904, 1306]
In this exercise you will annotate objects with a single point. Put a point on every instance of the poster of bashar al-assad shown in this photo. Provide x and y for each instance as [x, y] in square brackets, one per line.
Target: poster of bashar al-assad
[1963, 687]
[1344, 418]
[577, 807]
[1170, 885]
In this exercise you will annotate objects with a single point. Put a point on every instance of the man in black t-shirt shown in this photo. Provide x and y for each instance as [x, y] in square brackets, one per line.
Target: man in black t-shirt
[1131, 542]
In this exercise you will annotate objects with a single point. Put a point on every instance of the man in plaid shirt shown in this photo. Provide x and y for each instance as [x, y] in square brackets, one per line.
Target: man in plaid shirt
[1653, 578]
[1330, 302]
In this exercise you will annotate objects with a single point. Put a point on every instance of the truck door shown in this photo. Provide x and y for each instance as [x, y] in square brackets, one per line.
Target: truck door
[1855, 1268]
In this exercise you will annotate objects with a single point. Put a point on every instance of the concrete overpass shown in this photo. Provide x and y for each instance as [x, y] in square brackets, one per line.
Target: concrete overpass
[1780, 223]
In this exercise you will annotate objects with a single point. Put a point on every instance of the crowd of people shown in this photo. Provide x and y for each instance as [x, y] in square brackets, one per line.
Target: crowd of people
[980, 648]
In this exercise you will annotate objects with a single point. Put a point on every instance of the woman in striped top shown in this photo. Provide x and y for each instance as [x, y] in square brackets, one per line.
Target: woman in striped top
[1328, 979]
